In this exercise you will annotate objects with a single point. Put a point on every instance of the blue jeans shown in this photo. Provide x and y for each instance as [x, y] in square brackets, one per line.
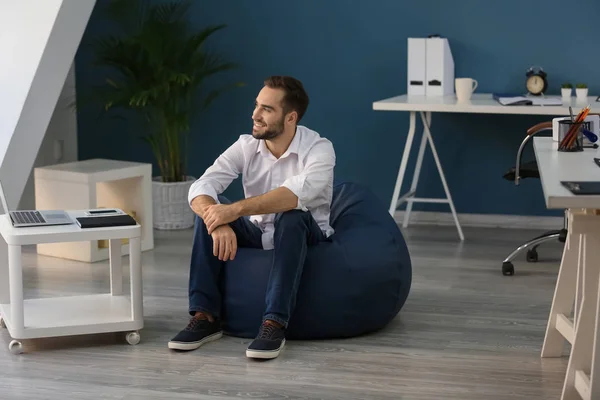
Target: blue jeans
[295, 230]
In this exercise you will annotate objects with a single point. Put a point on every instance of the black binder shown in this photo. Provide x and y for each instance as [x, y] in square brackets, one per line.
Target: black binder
[106, 221]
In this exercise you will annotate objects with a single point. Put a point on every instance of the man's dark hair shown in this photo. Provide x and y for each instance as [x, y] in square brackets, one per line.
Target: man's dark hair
[295, 98]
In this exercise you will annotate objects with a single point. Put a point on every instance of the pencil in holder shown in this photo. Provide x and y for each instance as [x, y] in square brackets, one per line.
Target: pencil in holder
[570, 135]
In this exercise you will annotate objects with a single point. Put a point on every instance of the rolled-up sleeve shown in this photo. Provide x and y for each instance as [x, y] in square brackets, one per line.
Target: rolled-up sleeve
[316, 175]
[220, 174]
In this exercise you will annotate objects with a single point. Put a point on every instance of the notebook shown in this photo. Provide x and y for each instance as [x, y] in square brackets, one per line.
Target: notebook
[587, 187]
[105, 221]
[518, 100]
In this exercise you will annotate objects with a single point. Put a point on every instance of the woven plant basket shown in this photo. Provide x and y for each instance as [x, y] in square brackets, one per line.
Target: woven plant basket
[171, 209]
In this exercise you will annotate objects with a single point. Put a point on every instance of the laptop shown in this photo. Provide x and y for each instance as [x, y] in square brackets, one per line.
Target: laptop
[35, 217]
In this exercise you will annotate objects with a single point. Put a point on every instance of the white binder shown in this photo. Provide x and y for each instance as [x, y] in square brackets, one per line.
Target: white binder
[416, 66]
[430, 67]
[440, 68]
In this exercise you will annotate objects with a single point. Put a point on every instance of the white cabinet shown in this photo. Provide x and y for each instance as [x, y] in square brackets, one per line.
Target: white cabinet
[95, 183]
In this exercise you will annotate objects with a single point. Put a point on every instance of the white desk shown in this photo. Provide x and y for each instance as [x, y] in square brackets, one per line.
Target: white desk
[480, 103]
[556, 166]
[577, 285]
[71, 315]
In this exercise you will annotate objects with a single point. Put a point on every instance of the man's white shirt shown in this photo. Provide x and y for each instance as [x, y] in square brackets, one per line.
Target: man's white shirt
[306, 168]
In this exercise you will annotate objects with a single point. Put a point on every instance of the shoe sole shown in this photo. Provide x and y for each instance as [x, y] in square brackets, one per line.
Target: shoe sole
[265, 354]
[194, 345]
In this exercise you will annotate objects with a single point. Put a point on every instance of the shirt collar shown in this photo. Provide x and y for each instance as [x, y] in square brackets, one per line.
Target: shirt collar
[293, 148]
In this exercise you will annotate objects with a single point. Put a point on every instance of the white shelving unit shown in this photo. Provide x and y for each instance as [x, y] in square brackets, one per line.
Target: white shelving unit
[95, 183]
[72, 315]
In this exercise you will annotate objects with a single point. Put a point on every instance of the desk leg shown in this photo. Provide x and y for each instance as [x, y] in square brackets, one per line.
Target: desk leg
[582, 353]
[564, 294]
[116, 267]
[594, 368]
[442, 176]
[135, 272]
[4, 279]
[17, 318]
[415, 181]
[403, 162]
[410, 196]
[579, 277]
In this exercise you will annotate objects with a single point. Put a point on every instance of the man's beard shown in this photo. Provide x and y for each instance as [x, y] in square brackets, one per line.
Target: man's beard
[270, 133]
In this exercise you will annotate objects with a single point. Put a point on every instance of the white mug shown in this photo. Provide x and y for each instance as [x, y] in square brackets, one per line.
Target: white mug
[464, 88]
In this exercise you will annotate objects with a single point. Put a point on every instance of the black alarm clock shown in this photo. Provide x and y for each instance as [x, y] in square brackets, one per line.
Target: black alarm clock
[536, 82]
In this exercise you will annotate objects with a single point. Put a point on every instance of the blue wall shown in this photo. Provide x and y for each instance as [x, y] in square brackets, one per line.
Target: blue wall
[350, 53]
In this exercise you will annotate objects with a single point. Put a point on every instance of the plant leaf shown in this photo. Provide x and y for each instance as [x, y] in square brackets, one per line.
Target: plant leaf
[156, 64]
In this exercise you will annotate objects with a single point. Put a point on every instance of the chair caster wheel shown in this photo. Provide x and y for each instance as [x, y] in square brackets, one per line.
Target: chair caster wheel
[133, 338]
[508, 268]
[2, 323]
[15, 347]
[532, 255]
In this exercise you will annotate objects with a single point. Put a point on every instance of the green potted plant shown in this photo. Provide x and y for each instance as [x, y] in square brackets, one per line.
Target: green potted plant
[158, 67]
[581, 91]
[566, 89]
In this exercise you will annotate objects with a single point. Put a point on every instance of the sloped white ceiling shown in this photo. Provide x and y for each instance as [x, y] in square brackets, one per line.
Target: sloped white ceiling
[38, 41]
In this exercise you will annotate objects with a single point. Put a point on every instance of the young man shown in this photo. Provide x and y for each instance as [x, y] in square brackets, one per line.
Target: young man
[287, 174]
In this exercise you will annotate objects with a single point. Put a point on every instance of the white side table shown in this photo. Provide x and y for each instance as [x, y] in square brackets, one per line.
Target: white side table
[95, 183]
[71, 315]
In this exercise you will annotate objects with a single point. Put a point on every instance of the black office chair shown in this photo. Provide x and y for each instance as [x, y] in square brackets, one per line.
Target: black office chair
[530, 170]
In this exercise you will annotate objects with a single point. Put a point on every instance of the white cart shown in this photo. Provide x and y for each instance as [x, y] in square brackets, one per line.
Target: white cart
[71, 315]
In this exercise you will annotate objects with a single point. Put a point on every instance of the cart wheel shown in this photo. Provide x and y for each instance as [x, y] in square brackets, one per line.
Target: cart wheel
[2, 324]
[15, 347]
[133, 338]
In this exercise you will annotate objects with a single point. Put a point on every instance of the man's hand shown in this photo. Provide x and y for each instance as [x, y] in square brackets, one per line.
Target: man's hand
[219, 214]
[224, 243]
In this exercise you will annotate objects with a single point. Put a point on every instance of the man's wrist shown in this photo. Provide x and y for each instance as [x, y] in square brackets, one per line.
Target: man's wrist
[238, 208]
[200, 203]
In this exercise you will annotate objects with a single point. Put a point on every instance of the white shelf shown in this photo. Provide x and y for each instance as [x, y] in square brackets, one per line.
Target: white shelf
[93, 170]
[73, 315]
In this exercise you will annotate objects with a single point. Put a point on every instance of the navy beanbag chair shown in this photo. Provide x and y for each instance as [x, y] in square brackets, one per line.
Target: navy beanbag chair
[354, 284]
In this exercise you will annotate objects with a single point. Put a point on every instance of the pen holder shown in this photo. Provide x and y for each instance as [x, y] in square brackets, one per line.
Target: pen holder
[570, 136]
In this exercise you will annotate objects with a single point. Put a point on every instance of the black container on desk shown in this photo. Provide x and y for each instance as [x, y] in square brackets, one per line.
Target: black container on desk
[564, 126]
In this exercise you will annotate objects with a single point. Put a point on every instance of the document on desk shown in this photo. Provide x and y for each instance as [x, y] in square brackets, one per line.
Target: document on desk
[586, 187]
[517, 100]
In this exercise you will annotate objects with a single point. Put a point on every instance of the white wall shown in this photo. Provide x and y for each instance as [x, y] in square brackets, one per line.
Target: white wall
[38, 42]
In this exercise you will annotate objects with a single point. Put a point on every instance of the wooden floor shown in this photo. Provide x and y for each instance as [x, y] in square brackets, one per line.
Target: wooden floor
[466, 332]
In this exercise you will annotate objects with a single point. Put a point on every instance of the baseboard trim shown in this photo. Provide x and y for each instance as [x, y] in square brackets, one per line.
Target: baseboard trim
[481, 220]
